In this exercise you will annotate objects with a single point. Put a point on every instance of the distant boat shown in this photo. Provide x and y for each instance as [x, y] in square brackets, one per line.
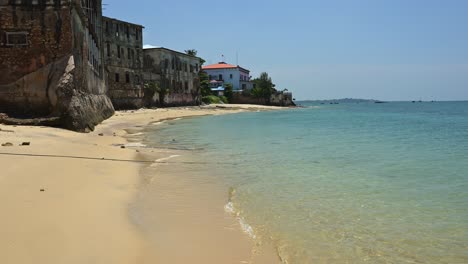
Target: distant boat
[380, 102]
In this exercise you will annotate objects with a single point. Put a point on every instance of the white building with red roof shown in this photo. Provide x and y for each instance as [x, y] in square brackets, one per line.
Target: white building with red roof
[223, 73]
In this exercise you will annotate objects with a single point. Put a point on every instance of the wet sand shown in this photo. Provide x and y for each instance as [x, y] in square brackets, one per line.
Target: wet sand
[67, 208]
[181, 211]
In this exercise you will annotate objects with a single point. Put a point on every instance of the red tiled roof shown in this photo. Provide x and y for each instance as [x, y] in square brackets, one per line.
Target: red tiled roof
[221, 65]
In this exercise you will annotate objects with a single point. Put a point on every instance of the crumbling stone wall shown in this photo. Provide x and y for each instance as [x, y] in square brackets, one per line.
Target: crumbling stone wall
[176, 75]
[46, 30]
[276, 99]
[51, 61]
[123, 53]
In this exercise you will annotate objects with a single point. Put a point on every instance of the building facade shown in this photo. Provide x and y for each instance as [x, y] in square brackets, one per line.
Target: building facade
[51, 61]
[174, 77]
[123, 53]
[223, 73]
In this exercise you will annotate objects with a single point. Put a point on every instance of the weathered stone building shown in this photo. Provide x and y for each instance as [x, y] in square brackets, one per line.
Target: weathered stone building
[51, 61]
[174, 75]
[278, 98]
[123, 44]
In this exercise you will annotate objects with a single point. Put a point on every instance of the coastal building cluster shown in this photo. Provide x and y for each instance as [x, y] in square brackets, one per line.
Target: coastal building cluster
[63, 59]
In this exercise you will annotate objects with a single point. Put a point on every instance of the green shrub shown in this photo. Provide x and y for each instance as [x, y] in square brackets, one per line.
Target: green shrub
[228, 92]
[211, 99]
[223, 99]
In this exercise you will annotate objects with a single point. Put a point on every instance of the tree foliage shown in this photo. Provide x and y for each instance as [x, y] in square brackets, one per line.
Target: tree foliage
[202, 75]
[152, 87]
[212, 99]
[204, 83]
[264, 87]
[228, 92]
[192, 52]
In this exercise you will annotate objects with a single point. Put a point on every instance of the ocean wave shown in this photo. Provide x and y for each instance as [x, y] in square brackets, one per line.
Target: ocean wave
[162, 160]
[248, 229]
[158, 123]
[135, 134]
[135, 145]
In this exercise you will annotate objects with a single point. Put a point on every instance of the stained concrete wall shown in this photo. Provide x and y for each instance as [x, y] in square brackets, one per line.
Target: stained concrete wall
[47, 26]
[176, 75]
[59, 70]
[123, 53]
[277, 99]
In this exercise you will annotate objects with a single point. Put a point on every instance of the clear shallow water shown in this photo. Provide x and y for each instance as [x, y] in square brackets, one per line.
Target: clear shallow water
[349, 183]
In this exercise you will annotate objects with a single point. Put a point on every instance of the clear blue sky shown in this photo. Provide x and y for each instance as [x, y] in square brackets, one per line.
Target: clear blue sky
[388, 50]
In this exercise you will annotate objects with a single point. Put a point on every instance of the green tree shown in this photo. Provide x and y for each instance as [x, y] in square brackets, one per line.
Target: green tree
[192, 52]
[228, 92]
[264, 87]
[151, 88]
[203, 77]
[204, 83]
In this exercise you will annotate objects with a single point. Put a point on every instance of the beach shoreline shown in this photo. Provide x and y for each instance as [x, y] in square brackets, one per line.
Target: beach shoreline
[65, 197]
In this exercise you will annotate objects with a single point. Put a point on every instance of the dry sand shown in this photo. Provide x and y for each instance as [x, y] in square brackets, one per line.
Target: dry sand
[74, 210]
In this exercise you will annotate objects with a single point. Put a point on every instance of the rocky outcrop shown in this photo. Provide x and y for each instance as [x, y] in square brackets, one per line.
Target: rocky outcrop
[63, 101]
[85, 111]
[79, 110]
[51, 64]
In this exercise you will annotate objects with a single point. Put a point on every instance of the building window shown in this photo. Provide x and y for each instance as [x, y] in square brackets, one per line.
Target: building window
[117, 77]
[117, 30]
[196, 67]
[127, 31]
[16, 38]
[173, 64]
[136, 34]
[128, 53]
[127, 77]
[108, 49]
[137, 79]
[118, 51]
[107, 26]
[220, 77]
[186, 86]
[230, 75]
[123, 53]
[166, 63]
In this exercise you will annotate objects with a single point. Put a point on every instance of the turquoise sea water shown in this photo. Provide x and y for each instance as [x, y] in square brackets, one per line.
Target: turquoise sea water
[348, 183]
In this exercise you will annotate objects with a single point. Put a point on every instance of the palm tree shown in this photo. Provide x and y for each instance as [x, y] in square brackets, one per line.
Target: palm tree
[191, 52]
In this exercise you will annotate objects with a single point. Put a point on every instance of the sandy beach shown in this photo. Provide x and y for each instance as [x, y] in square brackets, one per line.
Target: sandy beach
[67, 198]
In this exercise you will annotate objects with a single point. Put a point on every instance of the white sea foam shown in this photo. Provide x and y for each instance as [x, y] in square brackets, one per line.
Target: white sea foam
[229, 208]
[135, 134]
[248, 229]
[161, 160]
[135, 145]
[158, 123]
